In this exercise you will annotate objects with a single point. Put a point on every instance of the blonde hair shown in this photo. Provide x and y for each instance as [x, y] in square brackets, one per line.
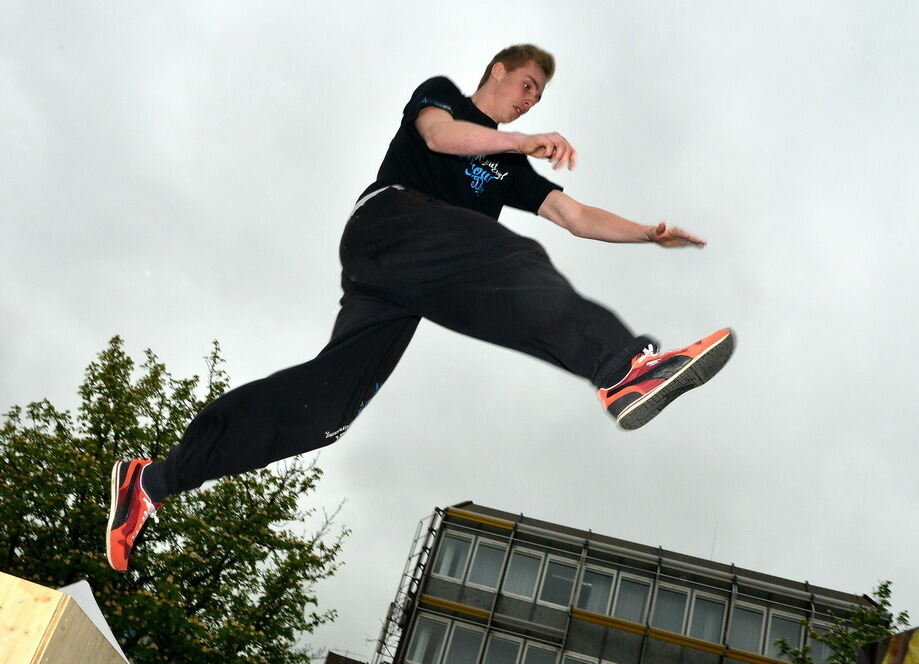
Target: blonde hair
[513, 57]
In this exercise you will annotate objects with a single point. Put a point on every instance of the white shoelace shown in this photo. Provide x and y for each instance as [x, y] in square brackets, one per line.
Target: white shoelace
[149, 512]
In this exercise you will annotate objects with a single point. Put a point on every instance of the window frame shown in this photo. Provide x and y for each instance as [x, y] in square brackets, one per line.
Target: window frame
[443, 646]
[782, 614]
[469, 627]
[817, 624]
[676, 589]
[539, 646]
[646, 610]
[578, 658]
[610, 597]
[459, 535]
[507, 637]
[764, 612]
[724, 614]
[532, 553]
[504, 562]
[567, 562]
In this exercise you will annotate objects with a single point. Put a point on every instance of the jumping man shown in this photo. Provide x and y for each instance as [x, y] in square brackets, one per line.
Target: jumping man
[423, 241]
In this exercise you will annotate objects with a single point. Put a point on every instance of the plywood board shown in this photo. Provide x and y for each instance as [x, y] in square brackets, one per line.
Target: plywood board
[26, 611]
[43, 626]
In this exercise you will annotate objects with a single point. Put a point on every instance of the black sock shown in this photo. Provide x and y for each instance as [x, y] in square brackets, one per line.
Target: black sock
[153, 481]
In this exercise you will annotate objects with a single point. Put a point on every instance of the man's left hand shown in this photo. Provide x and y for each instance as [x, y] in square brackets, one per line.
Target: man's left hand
[671, 236]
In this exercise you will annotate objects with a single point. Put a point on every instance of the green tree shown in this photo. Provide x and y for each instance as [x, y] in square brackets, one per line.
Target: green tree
[225, 575]
[866, 624]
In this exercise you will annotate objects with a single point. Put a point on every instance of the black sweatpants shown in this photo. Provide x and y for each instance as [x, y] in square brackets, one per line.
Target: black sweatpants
[404, 256]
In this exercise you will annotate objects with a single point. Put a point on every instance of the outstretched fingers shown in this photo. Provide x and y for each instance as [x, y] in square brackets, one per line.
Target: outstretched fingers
[672, 236]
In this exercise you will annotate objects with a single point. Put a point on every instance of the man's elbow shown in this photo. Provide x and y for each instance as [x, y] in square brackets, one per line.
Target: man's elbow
[433, 145]
[577, 231]
[574, 221]
[434, 138]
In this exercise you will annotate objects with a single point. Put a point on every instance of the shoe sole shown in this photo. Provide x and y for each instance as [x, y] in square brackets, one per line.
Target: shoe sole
[696, 373]
[113, 507]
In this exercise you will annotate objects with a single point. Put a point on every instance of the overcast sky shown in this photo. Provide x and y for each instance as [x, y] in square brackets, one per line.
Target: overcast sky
[177, 172]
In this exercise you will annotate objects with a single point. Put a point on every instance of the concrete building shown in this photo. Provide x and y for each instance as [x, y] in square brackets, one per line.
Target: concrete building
[482, 586]
[335, 658]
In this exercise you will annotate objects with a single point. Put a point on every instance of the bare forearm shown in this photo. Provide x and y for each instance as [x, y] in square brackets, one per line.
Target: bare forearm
[598, 224]
[466, 138]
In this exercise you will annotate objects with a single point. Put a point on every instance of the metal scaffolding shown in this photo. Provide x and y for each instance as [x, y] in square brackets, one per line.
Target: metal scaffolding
[406, 595]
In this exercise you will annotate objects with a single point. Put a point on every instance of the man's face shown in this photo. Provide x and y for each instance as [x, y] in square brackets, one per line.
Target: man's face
[517, 90]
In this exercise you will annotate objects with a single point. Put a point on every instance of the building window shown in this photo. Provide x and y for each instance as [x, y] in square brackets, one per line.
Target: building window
[558, 583]
[464, 646]
[522, 574]
[632, 600]
[596, 588]
[577, 659]
[538, 655]
[502, 650]
[669, 610]
[707, 619]
[427, 641]
[486, 565]
[820, 652]
[783, 627]
[746, 629]
[452, 556]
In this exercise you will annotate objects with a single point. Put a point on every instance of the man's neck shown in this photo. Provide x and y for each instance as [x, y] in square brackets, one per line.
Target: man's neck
[484, 102]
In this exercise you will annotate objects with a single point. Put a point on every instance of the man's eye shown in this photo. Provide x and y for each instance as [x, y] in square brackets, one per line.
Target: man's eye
[526, 86]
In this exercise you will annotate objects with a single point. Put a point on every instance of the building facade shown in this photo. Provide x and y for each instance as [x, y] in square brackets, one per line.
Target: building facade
[482, 586]
[335, 658]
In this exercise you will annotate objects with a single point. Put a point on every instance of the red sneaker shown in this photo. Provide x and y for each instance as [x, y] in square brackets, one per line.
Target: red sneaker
[656, 379]
[128, 512]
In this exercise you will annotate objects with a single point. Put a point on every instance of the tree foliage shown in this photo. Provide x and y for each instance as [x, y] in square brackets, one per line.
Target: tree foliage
[866, 624]
[227, 572]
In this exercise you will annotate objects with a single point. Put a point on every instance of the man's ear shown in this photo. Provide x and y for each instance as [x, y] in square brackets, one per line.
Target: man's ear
[498, 71]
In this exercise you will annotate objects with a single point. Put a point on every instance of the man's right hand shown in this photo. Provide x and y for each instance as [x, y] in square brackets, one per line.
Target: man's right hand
[553, 147]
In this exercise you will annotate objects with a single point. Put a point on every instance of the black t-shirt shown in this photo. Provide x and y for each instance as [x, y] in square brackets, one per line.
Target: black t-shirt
[484, 183]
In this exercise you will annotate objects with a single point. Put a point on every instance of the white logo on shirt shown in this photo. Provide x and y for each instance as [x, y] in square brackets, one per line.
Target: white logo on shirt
[482, 172]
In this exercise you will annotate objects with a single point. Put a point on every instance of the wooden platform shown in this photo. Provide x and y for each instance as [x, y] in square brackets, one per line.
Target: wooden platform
[39, 625]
